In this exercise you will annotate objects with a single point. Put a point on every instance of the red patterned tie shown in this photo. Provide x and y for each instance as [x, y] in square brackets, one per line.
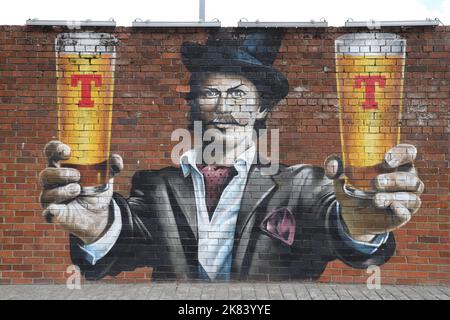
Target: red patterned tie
[216, 179]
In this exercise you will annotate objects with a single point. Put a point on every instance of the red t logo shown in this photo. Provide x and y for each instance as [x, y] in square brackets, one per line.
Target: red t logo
[370, 82]
[86, 80]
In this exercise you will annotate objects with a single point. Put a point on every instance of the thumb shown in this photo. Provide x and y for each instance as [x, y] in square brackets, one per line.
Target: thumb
[116, 164]
[334, 170]
[55, 213]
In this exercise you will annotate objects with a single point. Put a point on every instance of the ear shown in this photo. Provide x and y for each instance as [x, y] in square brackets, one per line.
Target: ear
[262, 114]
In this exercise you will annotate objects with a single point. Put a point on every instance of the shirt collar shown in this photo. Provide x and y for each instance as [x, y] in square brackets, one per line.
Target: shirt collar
[188, 160]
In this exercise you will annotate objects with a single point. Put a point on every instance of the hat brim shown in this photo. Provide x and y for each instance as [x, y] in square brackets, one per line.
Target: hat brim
[200, 59]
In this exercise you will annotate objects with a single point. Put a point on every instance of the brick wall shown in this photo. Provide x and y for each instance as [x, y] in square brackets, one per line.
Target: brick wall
[150, 86]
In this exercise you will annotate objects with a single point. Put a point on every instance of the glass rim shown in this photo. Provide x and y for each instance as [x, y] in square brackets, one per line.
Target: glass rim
[370, 44]
[85, 42]
[370, 36]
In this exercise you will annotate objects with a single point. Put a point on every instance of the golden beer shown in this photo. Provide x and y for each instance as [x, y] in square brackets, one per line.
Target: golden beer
[369, 75]
[85, 85]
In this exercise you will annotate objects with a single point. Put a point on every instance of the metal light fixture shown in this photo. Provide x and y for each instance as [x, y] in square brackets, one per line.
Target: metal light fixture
[85, 23]
[260, 24]
[147, 23]
[407, 23]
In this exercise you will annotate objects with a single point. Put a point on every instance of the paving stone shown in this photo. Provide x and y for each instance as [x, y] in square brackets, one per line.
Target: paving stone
[235, 292]
[434, 293]
[248, 292]
[315, 292]
[195, 292]
[208, 292]
[261, 292]
[372, 294]
[288, 292]
[383, 294]
[398, 294]
[182, 292]
[302, 292]
[355, 292]
[342, 293]
[328, 292]
[445, 292]
[427, 295]
[275, 292]
[222, 292]
[411, 293]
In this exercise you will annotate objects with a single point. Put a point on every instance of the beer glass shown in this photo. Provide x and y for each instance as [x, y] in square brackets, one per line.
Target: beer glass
[85, 85]
[369, 76]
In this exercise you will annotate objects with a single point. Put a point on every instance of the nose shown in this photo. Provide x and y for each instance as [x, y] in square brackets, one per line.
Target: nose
[223, 105]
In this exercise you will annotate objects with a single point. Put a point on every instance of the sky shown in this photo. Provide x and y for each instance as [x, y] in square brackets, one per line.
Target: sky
[229, 12]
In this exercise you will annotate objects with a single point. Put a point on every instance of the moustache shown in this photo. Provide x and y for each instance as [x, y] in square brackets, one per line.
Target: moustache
[225, 120]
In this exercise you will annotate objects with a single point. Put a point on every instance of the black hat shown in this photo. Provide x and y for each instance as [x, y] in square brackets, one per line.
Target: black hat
[251, 54]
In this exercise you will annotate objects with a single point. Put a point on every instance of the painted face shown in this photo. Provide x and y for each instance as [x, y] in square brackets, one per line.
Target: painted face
[229, 103]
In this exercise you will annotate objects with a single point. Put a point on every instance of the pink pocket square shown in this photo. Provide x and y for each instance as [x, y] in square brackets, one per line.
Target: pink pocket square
[280, 224]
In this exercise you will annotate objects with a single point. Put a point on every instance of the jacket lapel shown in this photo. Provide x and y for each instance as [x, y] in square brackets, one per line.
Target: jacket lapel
[258, 188]
[183, 192]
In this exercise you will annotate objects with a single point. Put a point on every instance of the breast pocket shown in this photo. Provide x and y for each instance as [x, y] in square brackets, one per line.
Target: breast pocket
[280, 224]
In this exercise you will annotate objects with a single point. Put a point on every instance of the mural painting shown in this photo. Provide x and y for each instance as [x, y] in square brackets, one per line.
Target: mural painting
[218, 215]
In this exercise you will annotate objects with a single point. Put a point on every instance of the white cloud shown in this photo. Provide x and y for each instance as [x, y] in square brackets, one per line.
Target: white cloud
[228, 11]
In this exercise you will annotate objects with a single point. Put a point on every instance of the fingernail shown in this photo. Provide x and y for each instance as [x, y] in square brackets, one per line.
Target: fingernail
[381, 200]
[48, 218]
[393, 163]
[74, 188]
[63, 150]
[383, 180]
[332, 167]
[421, 187]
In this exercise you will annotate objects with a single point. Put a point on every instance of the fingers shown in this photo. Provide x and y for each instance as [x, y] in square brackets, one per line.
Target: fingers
[60, 194]
[58, 176]
[398, 201]
[399, 181]
[55, 151]
[116, 164]
[400, 155]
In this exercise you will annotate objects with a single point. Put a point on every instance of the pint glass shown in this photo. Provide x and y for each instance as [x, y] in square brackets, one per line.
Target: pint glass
[369, 75]
[85, 85]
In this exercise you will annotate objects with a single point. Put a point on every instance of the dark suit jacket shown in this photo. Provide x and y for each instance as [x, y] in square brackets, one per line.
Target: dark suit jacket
[159, 228]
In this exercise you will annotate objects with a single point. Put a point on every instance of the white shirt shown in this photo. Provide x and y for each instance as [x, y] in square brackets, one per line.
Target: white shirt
[216, 237]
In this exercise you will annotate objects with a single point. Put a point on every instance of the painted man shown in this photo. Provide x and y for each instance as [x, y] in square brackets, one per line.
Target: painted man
[229, 220]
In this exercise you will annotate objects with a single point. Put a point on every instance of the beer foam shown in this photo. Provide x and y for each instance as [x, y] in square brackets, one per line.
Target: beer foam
[371, 44]
[86, 43]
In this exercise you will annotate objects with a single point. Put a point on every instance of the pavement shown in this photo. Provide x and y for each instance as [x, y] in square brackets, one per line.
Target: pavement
[221, 291]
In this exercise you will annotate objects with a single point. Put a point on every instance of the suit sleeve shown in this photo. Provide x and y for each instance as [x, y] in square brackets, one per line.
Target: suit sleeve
[133, 247]
[317, 197]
